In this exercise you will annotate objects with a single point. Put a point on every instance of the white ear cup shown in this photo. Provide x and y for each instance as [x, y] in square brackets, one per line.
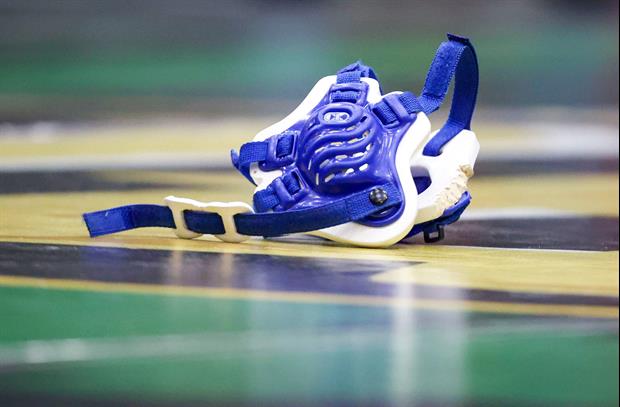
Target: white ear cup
[449, 173]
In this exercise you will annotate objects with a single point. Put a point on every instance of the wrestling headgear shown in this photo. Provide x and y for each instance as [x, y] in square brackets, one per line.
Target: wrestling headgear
[349, 164]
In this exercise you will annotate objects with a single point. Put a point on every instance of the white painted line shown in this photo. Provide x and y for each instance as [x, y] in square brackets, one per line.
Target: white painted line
[125, 161]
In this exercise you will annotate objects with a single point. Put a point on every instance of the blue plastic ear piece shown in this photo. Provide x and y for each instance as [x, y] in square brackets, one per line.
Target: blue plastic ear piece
[349, 164]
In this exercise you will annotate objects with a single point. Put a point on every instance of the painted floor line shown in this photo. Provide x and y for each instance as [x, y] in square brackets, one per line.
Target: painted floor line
[204, 161]
[295, 245]
[207, 345]
[313, 298]
[236, 344]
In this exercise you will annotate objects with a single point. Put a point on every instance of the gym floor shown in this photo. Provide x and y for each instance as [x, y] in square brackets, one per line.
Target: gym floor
[517, 306]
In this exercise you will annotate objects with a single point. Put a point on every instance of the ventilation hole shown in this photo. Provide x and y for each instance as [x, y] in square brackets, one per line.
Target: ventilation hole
[323, 164]
[368, 147]
[357, 155]
[350, 128]
[329, 177]
[295, 176]
[336, 143]
[309, 164]
[348, 171]
[362, 137]
[363, 167]
[363, 119]
[318, 150]
[316, 179]
[340, 157]
[422, 183]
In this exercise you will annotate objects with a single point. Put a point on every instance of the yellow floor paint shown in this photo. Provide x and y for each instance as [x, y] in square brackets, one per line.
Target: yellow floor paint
[131, 138]
[355, 300]
[213, 136]
[591, 194]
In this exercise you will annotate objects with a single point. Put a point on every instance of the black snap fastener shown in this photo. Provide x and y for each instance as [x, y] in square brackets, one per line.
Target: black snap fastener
[378, 196]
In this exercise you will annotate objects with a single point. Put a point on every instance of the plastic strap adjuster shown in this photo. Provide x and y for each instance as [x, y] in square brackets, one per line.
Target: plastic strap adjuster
[289, 189]
[280, 151]
[353, 92]
[225, 210]
[394, 109]
[282, 193]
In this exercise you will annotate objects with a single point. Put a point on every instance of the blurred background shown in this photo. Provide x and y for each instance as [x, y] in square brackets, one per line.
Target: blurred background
[76, 60]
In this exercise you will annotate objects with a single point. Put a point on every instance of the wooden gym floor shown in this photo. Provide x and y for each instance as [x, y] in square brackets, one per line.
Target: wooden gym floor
[518, 306]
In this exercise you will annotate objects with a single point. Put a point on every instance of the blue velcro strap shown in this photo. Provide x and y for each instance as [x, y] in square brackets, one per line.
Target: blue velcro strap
[348, 77]
[345, 96]
[204, 222]
[455, 58]
[349, 86]
[285, 144]
[249, 153]
[282, 188]
[354, 207]
[126, 218]
[272, 153]
[265, 200]
[140, 216]
[394, 108]
[355, 71]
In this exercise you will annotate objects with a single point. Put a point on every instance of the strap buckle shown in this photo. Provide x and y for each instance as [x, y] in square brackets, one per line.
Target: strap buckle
[351, 92]
[226, 211]
[278, 159]
[391, 110]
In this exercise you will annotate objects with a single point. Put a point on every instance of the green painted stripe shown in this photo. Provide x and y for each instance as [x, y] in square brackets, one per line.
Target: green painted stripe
[169, 348]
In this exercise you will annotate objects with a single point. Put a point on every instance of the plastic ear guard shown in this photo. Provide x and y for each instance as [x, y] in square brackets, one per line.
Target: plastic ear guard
[349, 164]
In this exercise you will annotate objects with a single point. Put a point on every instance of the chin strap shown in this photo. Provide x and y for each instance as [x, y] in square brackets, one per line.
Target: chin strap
[234, 222]
[455, 58]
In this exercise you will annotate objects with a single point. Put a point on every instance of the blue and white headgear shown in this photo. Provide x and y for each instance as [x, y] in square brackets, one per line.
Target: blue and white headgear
[349, 164]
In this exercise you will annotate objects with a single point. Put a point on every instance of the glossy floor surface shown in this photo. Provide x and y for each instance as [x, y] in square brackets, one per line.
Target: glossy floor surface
[517, 306]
